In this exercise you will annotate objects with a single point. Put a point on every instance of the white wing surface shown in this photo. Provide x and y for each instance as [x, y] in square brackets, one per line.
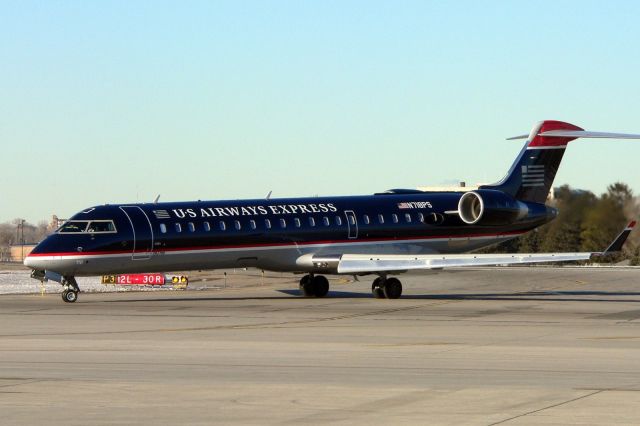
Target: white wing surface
[360, 263]
[364, 263]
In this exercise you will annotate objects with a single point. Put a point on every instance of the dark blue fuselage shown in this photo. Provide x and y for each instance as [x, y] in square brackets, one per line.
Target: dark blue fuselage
[270, 234]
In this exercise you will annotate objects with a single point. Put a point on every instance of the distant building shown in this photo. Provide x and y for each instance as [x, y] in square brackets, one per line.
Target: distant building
[17, 253]
[462, 187]
[55, 223]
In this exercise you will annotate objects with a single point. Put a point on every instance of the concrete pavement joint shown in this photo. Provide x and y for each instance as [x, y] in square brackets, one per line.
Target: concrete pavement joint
[546, 408]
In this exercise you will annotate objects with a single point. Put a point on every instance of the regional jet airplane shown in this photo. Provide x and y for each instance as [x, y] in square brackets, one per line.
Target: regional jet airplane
[384, 234]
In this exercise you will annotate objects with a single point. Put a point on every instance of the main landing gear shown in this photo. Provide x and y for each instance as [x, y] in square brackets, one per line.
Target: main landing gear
[386, 288]
[314, 285]
[71, 289]
[382, 287]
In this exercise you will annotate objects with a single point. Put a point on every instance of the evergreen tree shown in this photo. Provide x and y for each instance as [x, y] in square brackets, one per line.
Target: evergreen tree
[564, 233]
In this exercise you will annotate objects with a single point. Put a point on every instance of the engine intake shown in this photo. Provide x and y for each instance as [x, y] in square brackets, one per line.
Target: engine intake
[490, 207]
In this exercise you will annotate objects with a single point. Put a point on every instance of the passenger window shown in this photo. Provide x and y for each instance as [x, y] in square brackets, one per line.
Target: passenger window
[380, 219]
[352, 220]
[420, 217]
[366, 219]
[252, 224]
[296, 221]
[192, 227]
[267, 223]
[236, 223]
[434, 218]
[163, 228]
[338, 220]
[407, 217]
[312, 221]
[283, 223]
[394, 217]
[207, 227]
[223, 226]
[178, 227]
[325, 220]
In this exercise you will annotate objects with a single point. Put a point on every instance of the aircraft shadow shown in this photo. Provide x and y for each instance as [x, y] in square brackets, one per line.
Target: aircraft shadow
[549, 296]
[542, 296]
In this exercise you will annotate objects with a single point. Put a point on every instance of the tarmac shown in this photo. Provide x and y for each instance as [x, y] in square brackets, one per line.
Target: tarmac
[476, 347]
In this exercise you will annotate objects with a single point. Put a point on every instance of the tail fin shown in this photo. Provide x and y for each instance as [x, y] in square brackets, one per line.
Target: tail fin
[531, 175]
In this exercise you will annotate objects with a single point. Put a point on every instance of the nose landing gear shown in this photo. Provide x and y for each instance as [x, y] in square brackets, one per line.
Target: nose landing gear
[69, 284]
[71, 289]
[69, 296]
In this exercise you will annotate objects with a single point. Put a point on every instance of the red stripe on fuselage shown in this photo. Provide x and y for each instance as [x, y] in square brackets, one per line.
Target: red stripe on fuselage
[305, 243]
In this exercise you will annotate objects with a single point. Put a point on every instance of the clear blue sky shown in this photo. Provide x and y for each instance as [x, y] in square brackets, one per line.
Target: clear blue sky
[106, 102]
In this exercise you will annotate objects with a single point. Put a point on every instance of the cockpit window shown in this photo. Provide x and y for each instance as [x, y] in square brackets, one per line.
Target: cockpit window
[101, 226]
[85, 226]
[73, 226]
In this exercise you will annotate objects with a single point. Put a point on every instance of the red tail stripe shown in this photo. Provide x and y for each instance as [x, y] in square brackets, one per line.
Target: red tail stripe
[542, 141]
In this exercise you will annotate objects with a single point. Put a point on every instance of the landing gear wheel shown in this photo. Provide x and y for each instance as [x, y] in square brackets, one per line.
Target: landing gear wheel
[69, 296]
[320, 286]
[392, 288]
[376, 288]
[306, 286]
[314, 286]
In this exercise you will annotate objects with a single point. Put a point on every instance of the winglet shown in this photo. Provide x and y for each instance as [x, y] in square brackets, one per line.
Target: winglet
[617, 244]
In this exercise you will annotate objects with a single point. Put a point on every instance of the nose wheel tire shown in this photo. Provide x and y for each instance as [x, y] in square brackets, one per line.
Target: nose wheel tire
[69, 296]
[314, 286]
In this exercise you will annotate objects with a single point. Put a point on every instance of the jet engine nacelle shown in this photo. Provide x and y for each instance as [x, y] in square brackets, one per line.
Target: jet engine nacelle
[490, 207]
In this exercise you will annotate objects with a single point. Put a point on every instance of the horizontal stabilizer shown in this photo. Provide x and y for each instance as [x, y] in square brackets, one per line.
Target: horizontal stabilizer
[587, 134]
[579, 134]
[513, 138]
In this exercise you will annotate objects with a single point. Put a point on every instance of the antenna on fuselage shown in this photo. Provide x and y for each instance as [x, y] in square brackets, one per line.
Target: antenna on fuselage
[269, 195]
[156, 200]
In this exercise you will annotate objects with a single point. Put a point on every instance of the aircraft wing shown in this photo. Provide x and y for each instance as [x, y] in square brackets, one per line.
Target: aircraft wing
[358, 263]
[362, 263]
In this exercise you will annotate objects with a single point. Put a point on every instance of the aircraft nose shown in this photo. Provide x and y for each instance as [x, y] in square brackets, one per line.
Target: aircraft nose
[29, 262]
[34, 262]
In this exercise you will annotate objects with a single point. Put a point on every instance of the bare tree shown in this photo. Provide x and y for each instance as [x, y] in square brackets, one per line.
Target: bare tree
[7, 234]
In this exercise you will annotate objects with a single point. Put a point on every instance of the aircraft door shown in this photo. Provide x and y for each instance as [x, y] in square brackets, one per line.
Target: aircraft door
[142, 232]
[352, 224]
